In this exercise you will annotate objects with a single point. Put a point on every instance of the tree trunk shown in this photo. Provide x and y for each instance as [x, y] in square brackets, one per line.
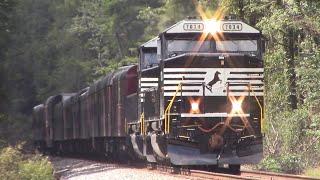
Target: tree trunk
[241, 11]
[119, 45]
[290, 40]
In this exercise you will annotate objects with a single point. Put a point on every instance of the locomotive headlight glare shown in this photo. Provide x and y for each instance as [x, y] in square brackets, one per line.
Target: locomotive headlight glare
[195, 107]
[211, 26]
[236, 106]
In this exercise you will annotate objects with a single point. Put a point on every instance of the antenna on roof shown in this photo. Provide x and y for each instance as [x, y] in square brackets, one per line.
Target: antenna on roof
[230, 17]
[191, 17]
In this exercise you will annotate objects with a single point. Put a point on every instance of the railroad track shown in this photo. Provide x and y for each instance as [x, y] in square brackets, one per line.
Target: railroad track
[256, 175]
[270, 175]
[200, 174]
[244, 174]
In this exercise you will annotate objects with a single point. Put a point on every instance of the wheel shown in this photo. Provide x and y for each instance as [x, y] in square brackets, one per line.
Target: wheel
[212, 168]
[234, 168]
[176, 169]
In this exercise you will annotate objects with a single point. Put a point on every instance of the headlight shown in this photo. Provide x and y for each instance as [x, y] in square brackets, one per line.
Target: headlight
[236, 106]
[211, 26]
[194, 106]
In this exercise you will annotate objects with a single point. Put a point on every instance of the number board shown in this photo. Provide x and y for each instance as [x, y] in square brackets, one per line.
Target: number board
[232, 26]
[193, 26]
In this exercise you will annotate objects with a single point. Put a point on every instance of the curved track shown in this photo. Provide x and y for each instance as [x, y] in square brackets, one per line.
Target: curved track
[243, 174]
[271, 175]
[261, 175]
[200, 174]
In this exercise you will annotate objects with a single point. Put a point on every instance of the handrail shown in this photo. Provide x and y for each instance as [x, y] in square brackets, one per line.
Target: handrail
[168, 109]
[142, 123]
[261, 109]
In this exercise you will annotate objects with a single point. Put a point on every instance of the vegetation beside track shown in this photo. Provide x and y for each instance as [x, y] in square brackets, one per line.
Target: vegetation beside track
[313, 172]
[16, 165]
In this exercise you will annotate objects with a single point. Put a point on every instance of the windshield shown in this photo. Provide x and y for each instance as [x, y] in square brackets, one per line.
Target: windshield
[237, 45]
[149, 60]
[189, 46]
[182, 46]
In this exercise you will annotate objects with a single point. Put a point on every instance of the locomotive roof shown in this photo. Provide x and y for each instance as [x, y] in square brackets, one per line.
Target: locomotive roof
[205, 26]
[152, 43]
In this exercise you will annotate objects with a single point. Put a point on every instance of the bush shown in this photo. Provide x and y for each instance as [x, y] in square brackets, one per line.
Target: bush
[36, 169]
[270, 164]
[14, 165]
[9, 163]
[291, 163]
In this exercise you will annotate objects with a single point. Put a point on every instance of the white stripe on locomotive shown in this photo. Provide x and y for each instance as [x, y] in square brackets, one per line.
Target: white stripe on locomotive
[238, 79]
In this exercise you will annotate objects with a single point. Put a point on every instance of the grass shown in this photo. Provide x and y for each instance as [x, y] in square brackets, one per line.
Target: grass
[313, 172]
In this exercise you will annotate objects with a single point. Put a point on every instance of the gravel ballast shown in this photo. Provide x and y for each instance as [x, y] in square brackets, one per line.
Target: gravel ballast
[79, 169]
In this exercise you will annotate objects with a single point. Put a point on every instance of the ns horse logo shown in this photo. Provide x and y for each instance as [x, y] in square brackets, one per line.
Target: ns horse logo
[215, 79]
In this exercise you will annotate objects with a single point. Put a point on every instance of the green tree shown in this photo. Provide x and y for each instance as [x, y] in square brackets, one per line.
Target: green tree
[6, 8]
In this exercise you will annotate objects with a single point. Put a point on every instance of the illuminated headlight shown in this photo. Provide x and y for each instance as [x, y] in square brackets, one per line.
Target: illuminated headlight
[236, 106]
[211, 26]
[195, 106]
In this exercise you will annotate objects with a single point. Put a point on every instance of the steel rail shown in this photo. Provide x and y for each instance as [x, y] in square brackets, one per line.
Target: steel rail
[214, 175]
[272, 175]
[243, 174]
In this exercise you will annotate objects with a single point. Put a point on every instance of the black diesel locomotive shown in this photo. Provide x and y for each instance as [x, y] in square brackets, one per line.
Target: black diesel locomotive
[195, 98]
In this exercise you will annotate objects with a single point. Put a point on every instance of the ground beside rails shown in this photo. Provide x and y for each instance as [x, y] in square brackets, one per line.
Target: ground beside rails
[224, 174]
[66, 167]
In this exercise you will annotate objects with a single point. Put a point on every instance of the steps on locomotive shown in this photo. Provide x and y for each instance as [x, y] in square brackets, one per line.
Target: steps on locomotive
[137, 144]
[148, 150]
[143, 147]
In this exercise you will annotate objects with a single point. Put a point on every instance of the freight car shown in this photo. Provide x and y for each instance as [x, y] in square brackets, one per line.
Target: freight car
[195, 98]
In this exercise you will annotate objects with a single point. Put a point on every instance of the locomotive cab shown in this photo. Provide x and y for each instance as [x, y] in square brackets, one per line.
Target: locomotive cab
[211, 36]
[148, 54]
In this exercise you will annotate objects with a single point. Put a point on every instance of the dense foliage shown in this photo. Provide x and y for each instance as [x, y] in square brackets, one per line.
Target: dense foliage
[63, 45]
